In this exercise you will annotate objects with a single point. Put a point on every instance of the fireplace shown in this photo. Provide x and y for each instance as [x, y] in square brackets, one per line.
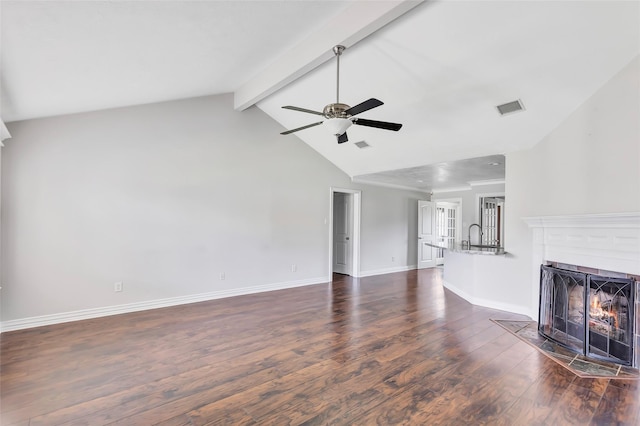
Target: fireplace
[594, 244]
[588, 313]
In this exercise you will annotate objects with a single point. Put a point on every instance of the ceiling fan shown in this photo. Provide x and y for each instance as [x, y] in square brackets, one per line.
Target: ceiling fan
[339, 117]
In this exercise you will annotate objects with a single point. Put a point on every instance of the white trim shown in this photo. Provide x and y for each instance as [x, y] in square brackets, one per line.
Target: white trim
[452, 189]
[456, 200]
[4, 133]
[388, 185]
[83, 314]
[487, 303]
[608, 220]
[357, 206]
[383, 271]
[487, 182]
[469, 187]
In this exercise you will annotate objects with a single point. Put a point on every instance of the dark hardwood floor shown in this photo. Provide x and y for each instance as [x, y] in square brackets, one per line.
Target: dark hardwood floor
[390, 349]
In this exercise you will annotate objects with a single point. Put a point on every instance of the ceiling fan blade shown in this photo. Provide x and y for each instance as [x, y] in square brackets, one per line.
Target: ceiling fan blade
[343, 138]
[308, 111]
[377, 124]
[364, 106]
[302, 128]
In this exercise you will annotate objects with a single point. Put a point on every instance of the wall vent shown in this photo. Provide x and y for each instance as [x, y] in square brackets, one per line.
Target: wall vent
[510, 107]
[362, 144]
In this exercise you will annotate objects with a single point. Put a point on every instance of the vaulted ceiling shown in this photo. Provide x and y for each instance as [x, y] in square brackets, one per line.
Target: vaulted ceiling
[440, 68]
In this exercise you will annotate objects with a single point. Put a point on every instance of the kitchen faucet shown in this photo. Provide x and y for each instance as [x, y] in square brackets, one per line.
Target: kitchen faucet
[481, 234]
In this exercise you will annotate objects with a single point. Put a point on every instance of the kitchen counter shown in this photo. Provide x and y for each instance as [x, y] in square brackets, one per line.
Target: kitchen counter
[459, 248]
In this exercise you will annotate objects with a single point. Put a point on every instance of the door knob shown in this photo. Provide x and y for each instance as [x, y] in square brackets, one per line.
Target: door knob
[347, 238]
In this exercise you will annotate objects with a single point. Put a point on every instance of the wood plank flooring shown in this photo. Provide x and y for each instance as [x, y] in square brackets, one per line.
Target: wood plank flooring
[390, 349]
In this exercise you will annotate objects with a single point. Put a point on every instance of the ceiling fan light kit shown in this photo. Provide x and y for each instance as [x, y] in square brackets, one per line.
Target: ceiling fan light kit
[339, 117]
[337, 126]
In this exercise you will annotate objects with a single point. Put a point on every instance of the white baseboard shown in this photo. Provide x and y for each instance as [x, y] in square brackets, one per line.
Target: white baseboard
[83, 314]
[487, 303]
[373, 272]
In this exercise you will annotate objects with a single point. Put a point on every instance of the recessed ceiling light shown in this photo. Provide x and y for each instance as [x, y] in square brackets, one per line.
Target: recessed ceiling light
[420, 181]
[494, 163]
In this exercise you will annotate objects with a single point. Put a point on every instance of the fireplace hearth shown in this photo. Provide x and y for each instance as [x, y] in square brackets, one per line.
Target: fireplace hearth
[588, 313]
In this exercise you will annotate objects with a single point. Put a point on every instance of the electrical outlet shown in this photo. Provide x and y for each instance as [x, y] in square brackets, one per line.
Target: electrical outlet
[117, 287]
[294, 268]
[393, 259]
[222, 276]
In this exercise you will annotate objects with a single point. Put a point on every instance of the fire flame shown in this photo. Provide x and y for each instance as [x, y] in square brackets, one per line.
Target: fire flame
[596, 311]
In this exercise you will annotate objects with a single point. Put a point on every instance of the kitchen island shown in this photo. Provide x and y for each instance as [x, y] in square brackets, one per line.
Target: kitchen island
[470, 272]
[472, 249]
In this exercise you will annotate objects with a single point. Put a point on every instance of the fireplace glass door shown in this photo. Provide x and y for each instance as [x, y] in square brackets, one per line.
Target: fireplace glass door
[562, 307]
[589, 314]
[610, 304]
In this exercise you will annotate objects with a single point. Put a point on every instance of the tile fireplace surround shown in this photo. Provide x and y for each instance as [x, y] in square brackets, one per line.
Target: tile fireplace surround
[608, 244]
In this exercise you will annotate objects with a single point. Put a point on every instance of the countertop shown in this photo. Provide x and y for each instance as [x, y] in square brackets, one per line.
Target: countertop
[459, 248]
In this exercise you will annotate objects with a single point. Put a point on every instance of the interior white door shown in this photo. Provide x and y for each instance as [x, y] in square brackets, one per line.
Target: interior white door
[426, 234]
[447, 227]
[342, 233]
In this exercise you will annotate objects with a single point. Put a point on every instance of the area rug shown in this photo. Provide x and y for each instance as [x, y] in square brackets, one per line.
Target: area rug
[527, 331]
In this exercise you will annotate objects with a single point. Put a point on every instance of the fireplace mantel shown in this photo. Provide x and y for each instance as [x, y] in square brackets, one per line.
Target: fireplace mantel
[604, 241]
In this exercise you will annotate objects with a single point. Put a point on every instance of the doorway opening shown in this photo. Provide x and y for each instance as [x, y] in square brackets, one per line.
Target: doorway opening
[344, 231]
[490, 217]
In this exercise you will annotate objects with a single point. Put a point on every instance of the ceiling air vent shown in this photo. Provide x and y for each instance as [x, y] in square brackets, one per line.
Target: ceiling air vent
[510, 107]
[362, 144]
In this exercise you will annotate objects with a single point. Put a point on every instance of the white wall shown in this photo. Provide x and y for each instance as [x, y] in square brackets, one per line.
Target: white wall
[391, 232]
[589, 164]
[165, 198]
